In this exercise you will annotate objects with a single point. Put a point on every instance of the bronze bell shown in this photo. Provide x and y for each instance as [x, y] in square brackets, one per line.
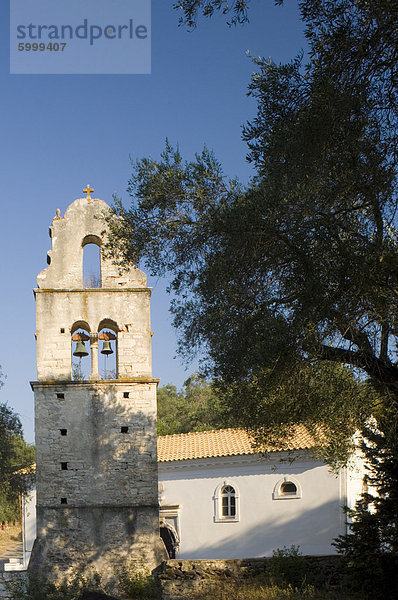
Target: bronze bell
[80, 350]
[106, 348]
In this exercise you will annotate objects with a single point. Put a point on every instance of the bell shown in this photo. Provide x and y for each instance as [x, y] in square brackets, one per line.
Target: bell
[80, 350]
[106, 348]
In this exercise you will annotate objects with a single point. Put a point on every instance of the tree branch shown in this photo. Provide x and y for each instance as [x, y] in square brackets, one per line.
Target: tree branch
[373, 366]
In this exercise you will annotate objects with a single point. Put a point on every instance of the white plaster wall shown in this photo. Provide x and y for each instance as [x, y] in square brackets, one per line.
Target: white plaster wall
[29, 520]
[355, 475]
[265, 524]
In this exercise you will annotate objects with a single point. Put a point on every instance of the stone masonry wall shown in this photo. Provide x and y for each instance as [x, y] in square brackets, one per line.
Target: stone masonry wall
[97, 504]
[194, 579]
[106, 540]
[96, 455]
[62, 301]
[58, 311]
[82, 224]
[97, 461]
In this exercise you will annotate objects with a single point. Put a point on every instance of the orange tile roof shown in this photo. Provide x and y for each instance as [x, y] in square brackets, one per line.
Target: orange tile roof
[223, 442]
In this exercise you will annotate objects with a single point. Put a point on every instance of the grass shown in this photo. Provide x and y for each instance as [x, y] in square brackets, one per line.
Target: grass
[272, 592]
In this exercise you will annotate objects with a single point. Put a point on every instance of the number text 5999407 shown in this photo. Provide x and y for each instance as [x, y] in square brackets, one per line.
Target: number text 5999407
[41, 47]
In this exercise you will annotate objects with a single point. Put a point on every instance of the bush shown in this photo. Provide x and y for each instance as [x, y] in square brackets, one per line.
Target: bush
[139, 585]
[286, 568]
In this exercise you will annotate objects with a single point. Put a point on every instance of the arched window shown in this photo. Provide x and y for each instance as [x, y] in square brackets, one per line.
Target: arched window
[81, 351]
[107, 349]
[91, 263]
[286, 488]
[226, 502]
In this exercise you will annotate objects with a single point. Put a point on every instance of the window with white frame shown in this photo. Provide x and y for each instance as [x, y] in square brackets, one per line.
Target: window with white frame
[226, 503]
[287, 488]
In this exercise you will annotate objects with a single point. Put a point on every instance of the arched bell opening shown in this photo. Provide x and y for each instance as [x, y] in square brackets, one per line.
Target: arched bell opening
[107, 349]
[91, 261]
[81, 351]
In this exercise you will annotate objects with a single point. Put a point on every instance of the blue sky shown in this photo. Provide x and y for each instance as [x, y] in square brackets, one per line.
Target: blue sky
[60, 132]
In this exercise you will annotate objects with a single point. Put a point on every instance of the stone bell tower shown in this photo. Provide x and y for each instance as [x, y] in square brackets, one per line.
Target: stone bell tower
[97, 496]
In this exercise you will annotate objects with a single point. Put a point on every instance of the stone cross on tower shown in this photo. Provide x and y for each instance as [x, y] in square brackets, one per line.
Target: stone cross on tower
[97, 494]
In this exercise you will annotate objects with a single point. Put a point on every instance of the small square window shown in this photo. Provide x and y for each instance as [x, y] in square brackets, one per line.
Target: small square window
[64, 466]
[64, 501]
[126, 394]
[63, 431]
[62, 330]
[60, 396]
[124, 429]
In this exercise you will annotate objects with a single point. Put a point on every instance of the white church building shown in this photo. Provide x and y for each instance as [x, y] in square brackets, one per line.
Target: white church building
[218, 499]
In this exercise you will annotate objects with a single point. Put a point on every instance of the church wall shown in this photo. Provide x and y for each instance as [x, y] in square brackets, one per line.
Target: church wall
[357, 468]
[265, 523]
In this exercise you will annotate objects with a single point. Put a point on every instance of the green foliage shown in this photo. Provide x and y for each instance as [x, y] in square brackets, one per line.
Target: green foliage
[238, 9]
[287, 568]
[196, 407]
[308, 393]
[289, 285]
[371, 546]
[299, 269]
[15, 454]
[139, 586]
[16, 477]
